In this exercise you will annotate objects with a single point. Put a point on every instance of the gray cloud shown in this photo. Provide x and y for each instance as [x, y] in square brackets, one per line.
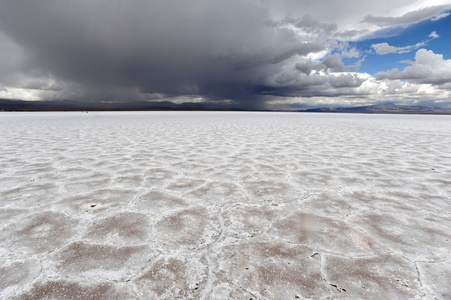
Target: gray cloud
[350, 34]
[332, 63]
[317, 83]
[440, 16]
[385, 48]
[408, 18]
[345, 80]
[310, 25]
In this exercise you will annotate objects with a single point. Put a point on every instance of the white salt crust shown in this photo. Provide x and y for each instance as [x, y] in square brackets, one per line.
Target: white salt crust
[224, 205]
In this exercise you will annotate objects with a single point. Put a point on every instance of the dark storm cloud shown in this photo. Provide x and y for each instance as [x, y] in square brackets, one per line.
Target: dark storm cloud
[208, 48]
[312, 85]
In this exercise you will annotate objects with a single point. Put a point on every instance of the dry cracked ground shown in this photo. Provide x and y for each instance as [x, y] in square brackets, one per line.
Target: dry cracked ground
[216, 205]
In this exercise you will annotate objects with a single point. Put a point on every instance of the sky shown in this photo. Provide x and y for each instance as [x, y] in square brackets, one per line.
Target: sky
[254, 54]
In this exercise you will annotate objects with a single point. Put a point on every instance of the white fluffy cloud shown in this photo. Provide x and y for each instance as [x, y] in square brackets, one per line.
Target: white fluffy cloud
[433, 35]
[428, 67]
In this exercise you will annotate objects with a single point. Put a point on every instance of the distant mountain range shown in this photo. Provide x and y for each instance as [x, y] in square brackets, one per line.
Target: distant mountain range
[67, 105]
[19, 105]
[383, 109]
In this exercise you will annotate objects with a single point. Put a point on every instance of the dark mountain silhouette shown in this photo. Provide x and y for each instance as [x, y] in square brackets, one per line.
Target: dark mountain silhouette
[384, 109]
[67, 105]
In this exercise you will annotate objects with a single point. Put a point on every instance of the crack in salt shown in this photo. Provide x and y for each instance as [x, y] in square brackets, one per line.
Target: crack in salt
[419, 280]
[208, 285]
[246, 290]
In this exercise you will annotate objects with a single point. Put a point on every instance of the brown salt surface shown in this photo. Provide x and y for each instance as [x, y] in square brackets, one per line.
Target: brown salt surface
[382, 277]
[269, 190]
[325, 234]
[251, 220]
[191, 227]
[185, 184]
[90, 260]
[215, 191]
[156, 177]
[73, 290]
[403, 234]
[172, 278]
[121, 228]
[158, 202]
[270, 269]
[40, 232]
[15, 274]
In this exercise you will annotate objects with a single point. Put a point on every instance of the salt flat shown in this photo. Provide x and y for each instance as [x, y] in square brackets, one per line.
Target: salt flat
[224, 205]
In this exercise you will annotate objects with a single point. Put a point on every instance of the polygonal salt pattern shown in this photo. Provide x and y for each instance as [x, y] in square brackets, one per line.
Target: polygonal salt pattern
[224, 205]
